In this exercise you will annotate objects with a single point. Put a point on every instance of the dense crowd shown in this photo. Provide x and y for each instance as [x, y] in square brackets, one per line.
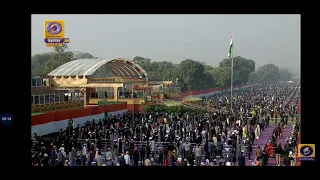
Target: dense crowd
[216, 138]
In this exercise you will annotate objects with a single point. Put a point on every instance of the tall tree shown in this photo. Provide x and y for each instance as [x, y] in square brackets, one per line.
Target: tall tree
[285, 74]
[59, 57]
[42, 64]
[266, 73]
[241, 70]
[222, 76]
[83, 56]
[192, 73]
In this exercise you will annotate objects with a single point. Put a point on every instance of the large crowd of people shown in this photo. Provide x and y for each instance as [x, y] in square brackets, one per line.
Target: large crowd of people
[219, 138]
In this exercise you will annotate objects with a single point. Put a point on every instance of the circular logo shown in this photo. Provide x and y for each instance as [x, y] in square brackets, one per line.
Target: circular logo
[54, 28]
[306, 150]
[6, 119]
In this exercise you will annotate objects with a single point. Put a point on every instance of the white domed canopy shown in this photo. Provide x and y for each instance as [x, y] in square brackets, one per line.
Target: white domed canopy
[86, 67]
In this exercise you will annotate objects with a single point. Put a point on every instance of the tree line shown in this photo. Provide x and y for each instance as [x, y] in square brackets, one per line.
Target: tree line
[43, 64]
[194, 75]
[189, 74]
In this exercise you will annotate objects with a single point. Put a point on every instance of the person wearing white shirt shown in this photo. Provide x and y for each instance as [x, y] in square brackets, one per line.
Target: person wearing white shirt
[215, 140]
[84, 153]
[153, 147]
[127, 158]
[228, 123]
[63, 152]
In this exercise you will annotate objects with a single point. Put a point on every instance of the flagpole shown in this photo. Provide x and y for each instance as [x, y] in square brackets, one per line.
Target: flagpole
[230, 55]
[231, 90]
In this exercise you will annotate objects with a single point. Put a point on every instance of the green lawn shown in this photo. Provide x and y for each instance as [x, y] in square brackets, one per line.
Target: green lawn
[172, 103]
[191, 98]
[37, 113]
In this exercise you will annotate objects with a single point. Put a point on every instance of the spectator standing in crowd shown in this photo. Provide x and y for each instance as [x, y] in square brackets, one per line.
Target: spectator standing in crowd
[84, 153]
[108, 154]
[122, 161]
[160, 158]
[232, 159]
[286, 160]
[292, 158]
[198, 154]
[241, 159]
[265, 158]
[98, 158]
[249, 150]
[211, 150]
[109, 162]
[127, 158]
[136, 157]
[115, 153]
[153, 147]
[186, 148]
[142, 155]
[259, 155]
[278, 152]
[148, 150]
[60, 158]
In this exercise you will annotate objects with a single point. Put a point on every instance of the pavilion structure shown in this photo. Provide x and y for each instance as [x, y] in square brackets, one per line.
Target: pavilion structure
[102, 80]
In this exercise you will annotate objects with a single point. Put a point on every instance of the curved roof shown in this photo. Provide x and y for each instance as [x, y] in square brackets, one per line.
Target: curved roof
[85, 67]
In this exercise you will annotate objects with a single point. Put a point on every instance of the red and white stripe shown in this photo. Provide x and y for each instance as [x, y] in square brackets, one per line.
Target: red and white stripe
[54, 121]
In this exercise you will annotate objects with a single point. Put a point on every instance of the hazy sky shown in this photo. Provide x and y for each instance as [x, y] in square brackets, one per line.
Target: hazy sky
[262, 38]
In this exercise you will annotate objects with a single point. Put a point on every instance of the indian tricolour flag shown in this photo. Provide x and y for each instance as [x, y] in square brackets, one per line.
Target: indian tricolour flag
[230, 53]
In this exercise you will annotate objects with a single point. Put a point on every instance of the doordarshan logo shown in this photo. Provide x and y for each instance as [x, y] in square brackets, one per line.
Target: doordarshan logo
[6, 119]
[306, 152]
[54, 28]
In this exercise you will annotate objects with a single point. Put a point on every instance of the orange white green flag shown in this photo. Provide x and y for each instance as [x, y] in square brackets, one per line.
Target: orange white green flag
[230, 53]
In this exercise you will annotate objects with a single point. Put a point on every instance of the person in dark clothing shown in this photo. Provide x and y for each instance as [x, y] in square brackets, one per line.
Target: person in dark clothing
[286, 160]
[131, 145]
[136, 157]
[276, 134]
[220, 148]
[78, 160]
[185, 162]
[122, 162]
[206, 149]
[160, 158]
[142, 155]
[191, 158]
[265, 158]
[241, 159]
[249, 150]
[278, 152]
[45, 161]
[120, 146]
[211, 149]
[148, 150]
[286, 150]
[232, 158]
